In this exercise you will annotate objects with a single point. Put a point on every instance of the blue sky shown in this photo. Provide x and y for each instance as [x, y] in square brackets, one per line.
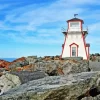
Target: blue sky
[33, 27]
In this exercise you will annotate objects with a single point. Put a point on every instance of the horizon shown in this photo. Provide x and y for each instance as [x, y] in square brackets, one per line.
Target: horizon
[34, 27]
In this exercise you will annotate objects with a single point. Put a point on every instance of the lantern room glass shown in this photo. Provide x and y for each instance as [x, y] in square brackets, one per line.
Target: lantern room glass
[74, 24]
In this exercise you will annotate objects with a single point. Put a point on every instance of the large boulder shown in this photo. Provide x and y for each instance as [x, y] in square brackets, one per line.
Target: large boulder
[72, 66]
[26, 76]
[8, 81]
[94, 65]
[71, 87]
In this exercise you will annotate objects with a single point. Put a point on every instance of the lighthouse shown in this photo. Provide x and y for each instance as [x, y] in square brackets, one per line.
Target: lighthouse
[75, 40]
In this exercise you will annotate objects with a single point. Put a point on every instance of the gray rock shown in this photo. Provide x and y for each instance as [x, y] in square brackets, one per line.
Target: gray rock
[67, 66]
[75, 66]
[26, 76]
[8, 81]
[68, 87]
[94, 66]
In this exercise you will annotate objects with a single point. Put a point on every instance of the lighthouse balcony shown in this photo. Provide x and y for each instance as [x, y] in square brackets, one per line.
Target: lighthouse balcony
[85, 33]
[65, 33]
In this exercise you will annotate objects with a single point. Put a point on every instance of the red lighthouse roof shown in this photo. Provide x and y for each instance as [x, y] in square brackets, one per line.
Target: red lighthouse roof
[75, 19]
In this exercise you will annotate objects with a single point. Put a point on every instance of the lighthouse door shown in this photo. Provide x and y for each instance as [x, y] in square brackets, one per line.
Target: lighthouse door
[73, 51]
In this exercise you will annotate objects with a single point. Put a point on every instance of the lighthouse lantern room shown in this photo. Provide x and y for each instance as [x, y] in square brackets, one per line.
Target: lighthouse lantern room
[75, 44]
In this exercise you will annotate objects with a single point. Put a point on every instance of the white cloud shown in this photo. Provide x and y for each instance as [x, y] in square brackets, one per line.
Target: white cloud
[36, 40]
[35, 17]
[82, 2]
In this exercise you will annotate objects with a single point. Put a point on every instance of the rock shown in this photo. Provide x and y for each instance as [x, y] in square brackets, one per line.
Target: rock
[20, 59]
[4, 64]
[95, 57]
[18, 63]
[95, 66]
[67, 87]
[88, 98]
[52, 73]
[2, 70]
[28, 67]
[8, 81]
[50, 65]
[31, 59]
[72, 66]
[58, 67]
[26, 76]
[1, 74]
[65, 66]
[48, 58]
[24, 68]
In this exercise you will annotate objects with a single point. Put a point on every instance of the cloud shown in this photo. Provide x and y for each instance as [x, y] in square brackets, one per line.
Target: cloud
[82, 2]
[31, 19]
[27, 18]
[34, 40]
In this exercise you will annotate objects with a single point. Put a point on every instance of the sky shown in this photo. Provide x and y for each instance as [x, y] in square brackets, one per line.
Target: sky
[34, 27]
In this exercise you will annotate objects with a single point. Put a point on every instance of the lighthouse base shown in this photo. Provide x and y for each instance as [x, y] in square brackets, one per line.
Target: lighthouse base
[73, 58]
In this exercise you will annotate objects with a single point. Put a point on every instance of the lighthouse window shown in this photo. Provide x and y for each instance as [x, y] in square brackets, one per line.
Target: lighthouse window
[74, 24]
[73, 51]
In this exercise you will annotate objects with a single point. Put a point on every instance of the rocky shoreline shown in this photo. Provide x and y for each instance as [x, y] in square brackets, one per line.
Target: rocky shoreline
[48, 78]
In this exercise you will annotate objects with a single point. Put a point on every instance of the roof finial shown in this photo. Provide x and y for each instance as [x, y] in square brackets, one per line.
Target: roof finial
[75, 15]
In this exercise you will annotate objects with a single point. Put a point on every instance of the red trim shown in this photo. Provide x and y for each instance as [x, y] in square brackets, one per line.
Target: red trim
[81, 26]
[74, 21]
[77, 51]
[73, 44]
[70, 51]
[71, 48]
[84, 45]
[88, 54]
[68, 26]
[63, 46]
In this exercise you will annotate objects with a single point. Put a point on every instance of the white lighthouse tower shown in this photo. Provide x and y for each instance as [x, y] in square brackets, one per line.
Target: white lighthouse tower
[75, 44]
